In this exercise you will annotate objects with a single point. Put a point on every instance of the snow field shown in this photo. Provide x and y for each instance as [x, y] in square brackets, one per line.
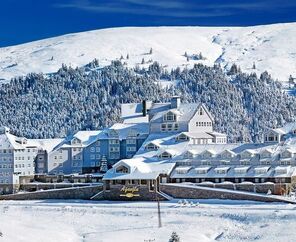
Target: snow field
[211, 220]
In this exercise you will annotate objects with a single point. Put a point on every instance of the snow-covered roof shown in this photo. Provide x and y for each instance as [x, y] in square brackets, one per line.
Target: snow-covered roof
[125, 130]
[133, 112]
[185, 111]
[46, 144]
[217, 134]
[287, 128]
[139, 168]
[282, 169]
[183, 169]
[200, 135]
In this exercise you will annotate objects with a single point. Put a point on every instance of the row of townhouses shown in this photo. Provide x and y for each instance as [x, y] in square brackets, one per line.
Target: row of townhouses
[155, 143]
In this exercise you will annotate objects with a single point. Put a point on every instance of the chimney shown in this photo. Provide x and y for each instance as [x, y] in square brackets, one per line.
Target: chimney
[144, 108]
[175, 101]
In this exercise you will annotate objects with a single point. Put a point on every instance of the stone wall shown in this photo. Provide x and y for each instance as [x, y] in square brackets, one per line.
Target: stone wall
[142, 194]
[196, 192]
[64, 193]
[274, 188]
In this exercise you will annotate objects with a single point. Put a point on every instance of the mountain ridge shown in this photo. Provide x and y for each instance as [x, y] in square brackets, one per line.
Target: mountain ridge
[269, 48]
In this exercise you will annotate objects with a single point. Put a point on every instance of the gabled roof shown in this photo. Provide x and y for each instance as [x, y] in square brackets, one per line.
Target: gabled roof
[206, 110]
[185, 111]
[169, 151]
[139, 169]
[270, 151]
[192, 151]
[253, 152]
[227, 151]
[209, 151]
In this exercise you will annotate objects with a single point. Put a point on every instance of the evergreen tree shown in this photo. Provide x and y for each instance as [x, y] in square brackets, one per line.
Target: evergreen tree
[174, 237]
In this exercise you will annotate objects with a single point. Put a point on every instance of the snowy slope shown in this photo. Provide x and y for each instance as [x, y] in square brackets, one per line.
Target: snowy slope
[270, 47]
[211, 220]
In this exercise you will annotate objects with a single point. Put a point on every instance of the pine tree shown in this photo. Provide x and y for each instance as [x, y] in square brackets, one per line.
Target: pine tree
[254, 66]
[174, 237]
[185, 54]
[233, 70]
[200, 56]
[127, 56]
[150, 52]
[143, 61]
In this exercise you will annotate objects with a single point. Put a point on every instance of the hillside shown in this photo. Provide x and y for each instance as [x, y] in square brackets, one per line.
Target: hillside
[270, 47]
[89, 98]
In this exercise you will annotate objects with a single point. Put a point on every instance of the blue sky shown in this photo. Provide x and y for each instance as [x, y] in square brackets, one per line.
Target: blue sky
[26, 20]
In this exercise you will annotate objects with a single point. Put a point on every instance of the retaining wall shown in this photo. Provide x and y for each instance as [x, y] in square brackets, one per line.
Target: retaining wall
[65, 193]
[196, 192]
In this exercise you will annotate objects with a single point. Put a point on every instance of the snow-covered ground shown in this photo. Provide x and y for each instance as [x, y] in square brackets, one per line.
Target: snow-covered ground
[210, 220]
[270, 47]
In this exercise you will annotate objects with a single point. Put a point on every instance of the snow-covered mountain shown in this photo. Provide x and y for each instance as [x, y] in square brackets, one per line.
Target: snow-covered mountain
[269, 47]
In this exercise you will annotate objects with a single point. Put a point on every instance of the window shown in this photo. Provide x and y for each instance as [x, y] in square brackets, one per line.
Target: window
[122, 169]
[131, 141]
[98, 143]
[133, 149]
[201, 112]
[165, 155]
[169, 117]
[92, 164]
[151, 146]
[92, 157]
[113, 141]
[114, 149]
[182, 137]
[98, 149]
[167, 127]
[92, 149]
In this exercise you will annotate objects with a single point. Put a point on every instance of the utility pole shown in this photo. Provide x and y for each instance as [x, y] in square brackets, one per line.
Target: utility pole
[159, 214]
[158, 204]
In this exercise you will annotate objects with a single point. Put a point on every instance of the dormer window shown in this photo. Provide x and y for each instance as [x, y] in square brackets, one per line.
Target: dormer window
[286, 154]
[122, 169]
[165, 155]
[75, 141]
[151, 146]
[182, 137]
[170, 116]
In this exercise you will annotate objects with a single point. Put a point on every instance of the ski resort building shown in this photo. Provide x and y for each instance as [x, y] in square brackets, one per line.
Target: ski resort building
[182, 137]
[281, 134]
[156, 144]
